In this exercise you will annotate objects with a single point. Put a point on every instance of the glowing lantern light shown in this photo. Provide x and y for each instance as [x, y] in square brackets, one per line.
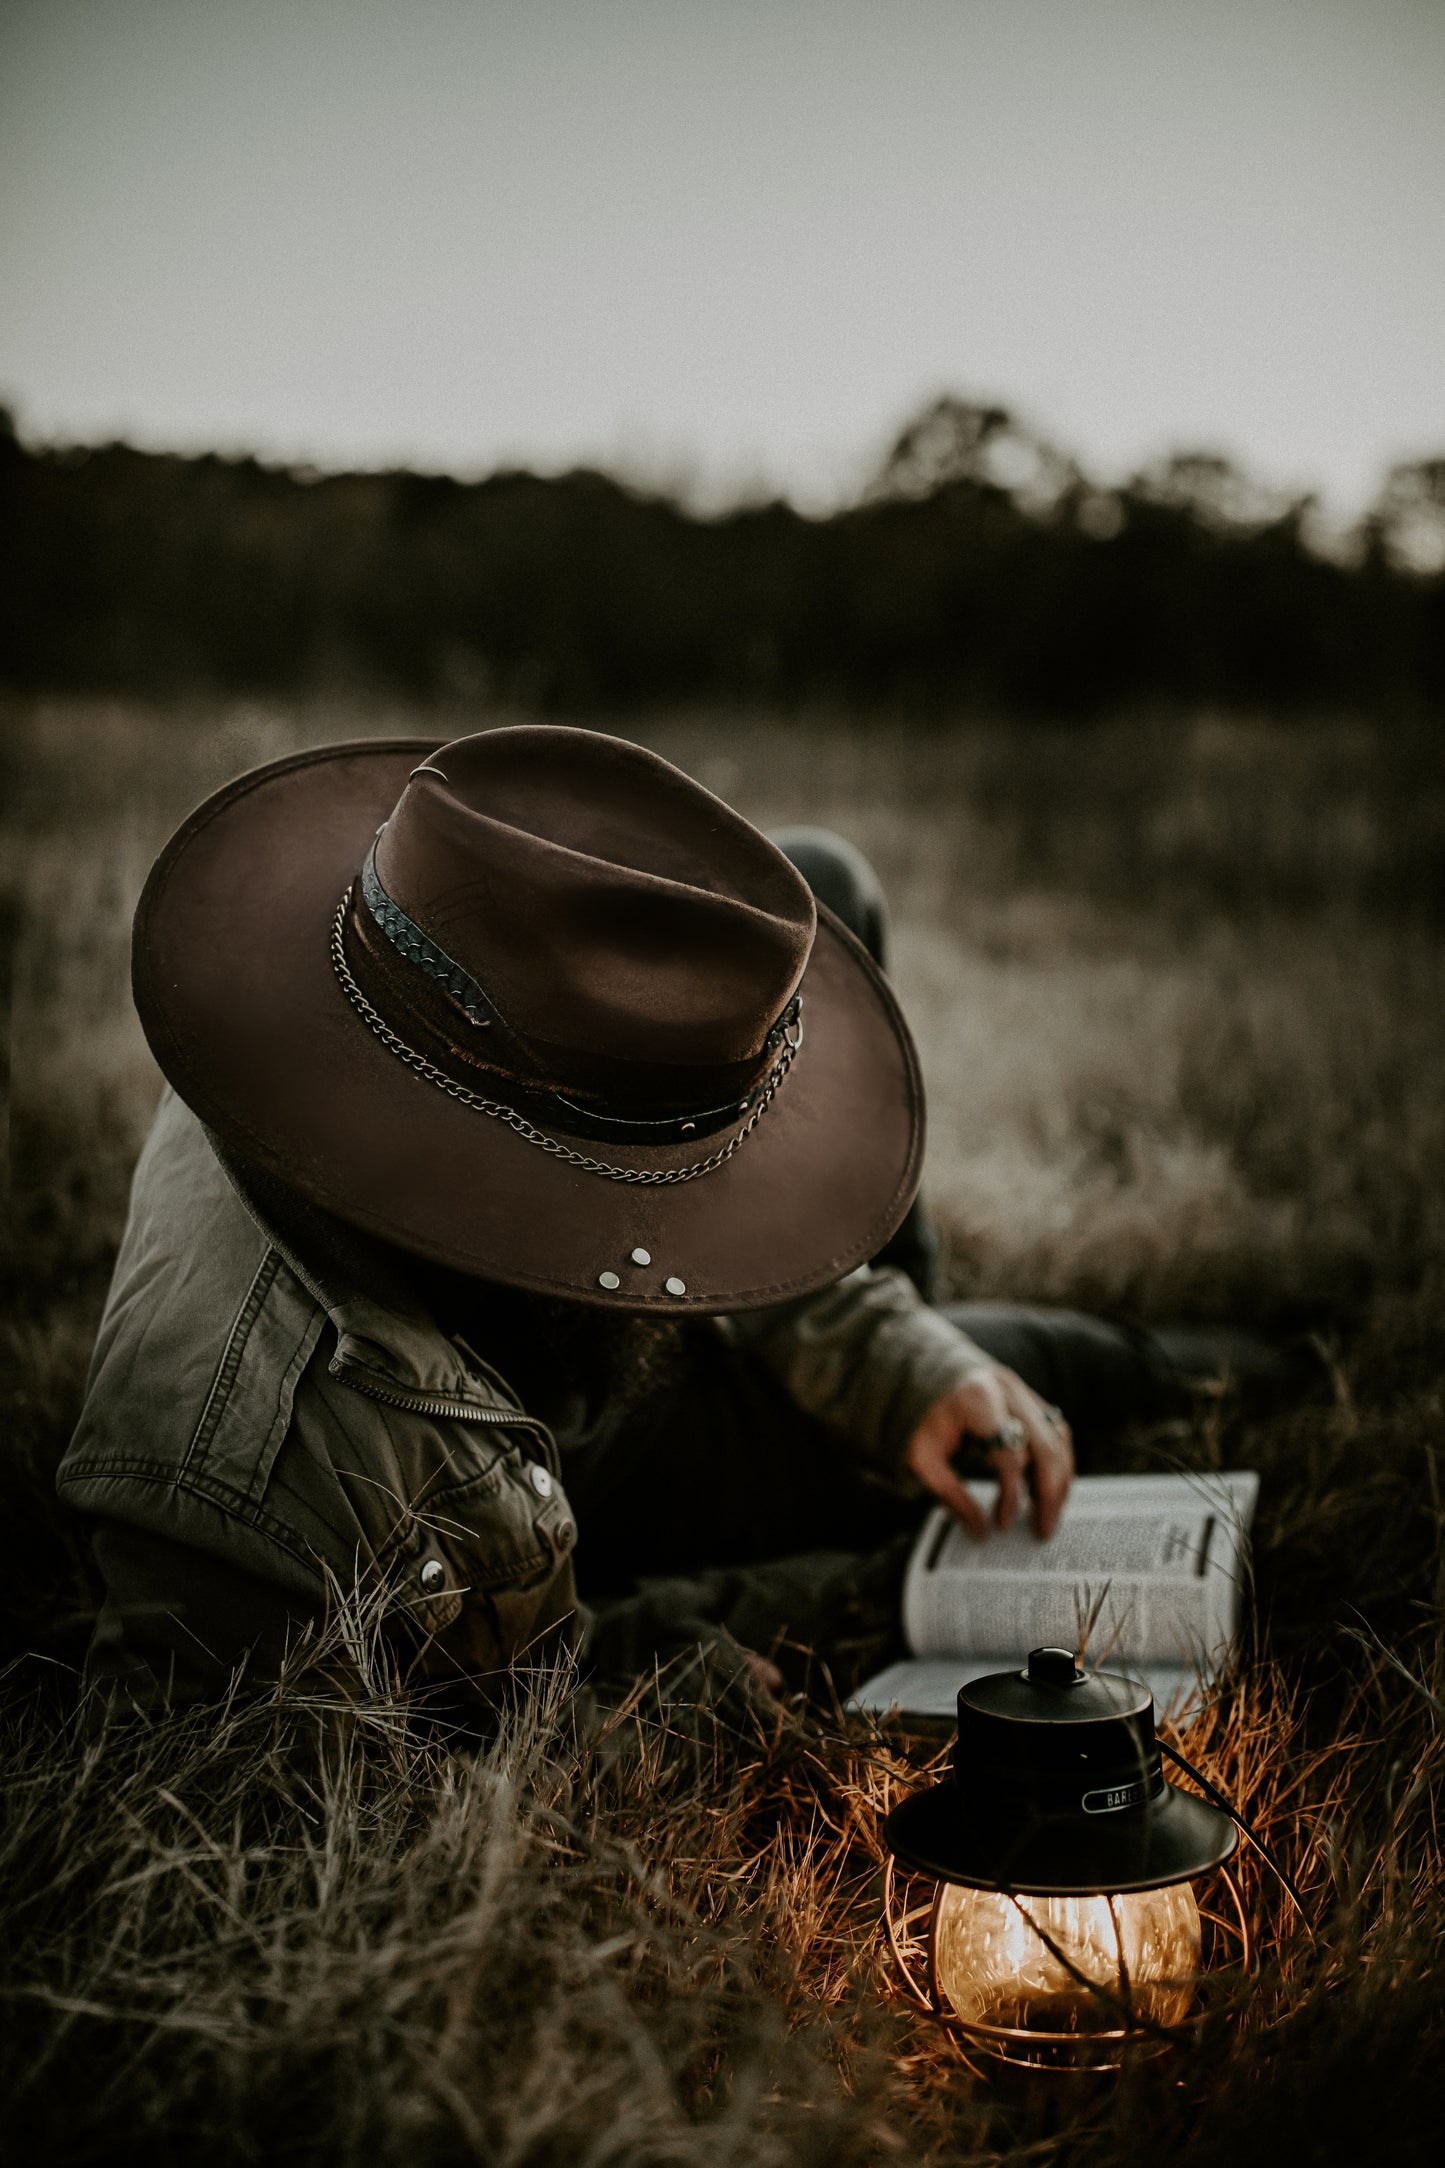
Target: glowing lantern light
[1062, 1921]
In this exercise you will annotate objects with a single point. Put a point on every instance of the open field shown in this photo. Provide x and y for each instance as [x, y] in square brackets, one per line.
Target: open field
[1180, 993]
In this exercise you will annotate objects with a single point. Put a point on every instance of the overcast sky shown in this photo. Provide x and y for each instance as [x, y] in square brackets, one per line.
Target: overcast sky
[744, 238]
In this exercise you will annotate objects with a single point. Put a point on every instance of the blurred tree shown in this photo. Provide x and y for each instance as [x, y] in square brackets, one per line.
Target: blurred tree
[1213, 488]
[1408, 516]
[954, 442]
[980, 567]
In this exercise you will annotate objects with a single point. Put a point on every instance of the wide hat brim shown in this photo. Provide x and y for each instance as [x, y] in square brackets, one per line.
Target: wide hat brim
[1172, 1839]
[243, 1011]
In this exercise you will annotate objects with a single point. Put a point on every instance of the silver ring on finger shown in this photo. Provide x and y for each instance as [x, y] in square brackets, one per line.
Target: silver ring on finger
[1052, 1415]
[1012, 1436]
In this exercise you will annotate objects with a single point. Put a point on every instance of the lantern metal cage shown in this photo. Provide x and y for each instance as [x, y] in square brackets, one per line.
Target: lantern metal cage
[911, 1924]
[1057, 1813]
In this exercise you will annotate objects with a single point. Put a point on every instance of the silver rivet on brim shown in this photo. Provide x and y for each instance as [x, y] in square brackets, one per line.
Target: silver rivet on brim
[540, 1479]
[675, 1286]
[609, 1280]
[433, 1576]
[642, 1257]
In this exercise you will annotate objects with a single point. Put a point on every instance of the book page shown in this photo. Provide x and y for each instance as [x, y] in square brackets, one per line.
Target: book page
[1157, 1563]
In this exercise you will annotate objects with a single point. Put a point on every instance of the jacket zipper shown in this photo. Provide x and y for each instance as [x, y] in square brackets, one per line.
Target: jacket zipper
[460, 1411]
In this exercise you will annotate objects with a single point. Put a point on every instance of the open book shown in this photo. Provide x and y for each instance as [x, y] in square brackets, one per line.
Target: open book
[1154, 1567]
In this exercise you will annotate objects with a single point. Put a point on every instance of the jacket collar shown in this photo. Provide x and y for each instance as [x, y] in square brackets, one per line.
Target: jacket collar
[383, 1330]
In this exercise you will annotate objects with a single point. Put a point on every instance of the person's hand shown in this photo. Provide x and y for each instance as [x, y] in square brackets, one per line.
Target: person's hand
[764, 1673]
[1025, 1439]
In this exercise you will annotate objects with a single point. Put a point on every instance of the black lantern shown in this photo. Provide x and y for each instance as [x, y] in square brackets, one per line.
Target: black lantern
[1063, 1922]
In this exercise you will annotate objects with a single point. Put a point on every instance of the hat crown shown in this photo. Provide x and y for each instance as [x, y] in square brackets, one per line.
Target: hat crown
[603, 900]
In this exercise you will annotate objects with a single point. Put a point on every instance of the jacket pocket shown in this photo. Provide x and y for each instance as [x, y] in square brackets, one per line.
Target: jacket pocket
[460, 1495]
[505, 1531]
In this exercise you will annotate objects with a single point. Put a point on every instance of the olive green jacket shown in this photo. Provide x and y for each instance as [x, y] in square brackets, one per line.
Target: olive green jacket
[252, 1414]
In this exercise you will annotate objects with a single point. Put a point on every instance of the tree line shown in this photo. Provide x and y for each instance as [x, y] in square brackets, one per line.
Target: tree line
[979, 569]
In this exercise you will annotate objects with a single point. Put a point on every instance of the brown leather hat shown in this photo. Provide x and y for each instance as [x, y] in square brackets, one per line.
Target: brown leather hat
[538, 1007]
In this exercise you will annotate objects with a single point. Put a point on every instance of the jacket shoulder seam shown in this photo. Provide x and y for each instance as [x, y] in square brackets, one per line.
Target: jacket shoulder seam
[230, 1362]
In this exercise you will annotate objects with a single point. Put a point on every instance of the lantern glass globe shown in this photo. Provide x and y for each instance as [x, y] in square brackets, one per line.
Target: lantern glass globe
[996, 1969]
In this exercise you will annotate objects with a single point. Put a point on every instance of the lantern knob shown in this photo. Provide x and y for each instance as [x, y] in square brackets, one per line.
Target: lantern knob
[1053, 1667]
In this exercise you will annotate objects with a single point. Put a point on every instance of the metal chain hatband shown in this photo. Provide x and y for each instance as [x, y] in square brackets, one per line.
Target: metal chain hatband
[501, 1112]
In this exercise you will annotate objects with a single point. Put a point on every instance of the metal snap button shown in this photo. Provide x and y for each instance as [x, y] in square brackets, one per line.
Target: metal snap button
[433, 1576]
[540, 1480]
[675, 1286]
[609, 1280]
[642, 1257]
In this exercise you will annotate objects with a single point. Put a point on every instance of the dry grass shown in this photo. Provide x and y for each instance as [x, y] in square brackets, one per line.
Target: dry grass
[1179, 994]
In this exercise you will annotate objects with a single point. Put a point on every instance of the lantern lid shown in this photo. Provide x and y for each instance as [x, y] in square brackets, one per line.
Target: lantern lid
[1053, 1689]
[1057, 1789]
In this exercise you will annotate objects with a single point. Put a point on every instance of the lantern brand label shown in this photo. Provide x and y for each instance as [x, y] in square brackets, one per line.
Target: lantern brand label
[1113, 1797]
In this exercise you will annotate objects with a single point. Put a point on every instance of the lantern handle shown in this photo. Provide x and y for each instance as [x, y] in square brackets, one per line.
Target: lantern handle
[1246, 1828]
